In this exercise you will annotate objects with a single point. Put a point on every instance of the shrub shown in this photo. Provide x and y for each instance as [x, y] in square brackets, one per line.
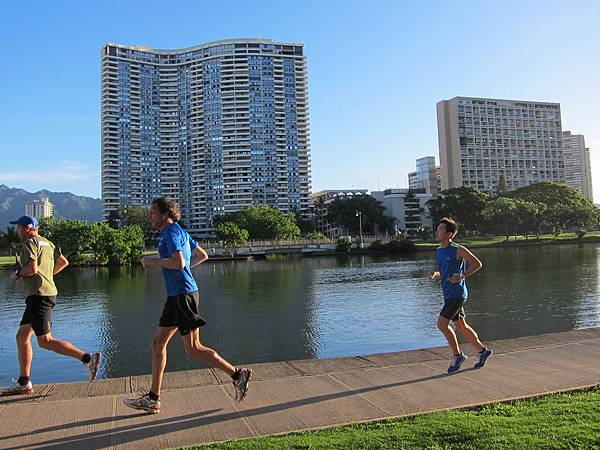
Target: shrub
[401, 246]
[344, 244]
[378, 246]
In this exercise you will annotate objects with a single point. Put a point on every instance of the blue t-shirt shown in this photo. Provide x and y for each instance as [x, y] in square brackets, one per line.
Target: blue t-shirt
[449, 265]
[173, 239]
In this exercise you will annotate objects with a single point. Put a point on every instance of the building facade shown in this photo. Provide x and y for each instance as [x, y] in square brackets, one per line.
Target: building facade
[321, 200]
[413, 180]
[427, 176]
[577, 164]
[216, 127]
[408, 207]
[494, 144]
[39, 208]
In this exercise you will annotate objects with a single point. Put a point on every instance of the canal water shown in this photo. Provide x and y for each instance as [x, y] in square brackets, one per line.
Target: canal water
[319, 307]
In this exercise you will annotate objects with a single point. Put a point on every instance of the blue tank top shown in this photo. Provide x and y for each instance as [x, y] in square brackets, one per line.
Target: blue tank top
[449, 265]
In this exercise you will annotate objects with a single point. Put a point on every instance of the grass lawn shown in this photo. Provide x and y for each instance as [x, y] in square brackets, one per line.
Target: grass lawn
[7, 262]
[570, 420]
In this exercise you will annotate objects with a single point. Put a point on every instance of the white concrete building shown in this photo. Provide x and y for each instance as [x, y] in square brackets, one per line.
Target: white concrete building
[577, 164]
[408, 207]
[485, 142]
[39, 208]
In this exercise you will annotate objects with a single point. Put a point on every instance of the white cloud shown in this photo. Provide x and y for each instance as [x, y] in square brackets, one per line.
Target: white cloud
[65, 170]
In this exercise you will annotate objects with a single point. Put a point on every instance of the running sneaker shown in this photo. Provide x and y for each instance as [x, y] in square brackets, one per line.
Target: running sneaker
[92, 366]
[483, 357]
[16, 388]
[458, 360]
[145, 403]
[241, 383]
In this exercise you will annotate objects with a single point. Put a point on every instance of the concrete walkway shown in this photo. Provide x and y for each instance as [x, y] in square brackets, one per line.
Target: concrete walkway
[198, 406]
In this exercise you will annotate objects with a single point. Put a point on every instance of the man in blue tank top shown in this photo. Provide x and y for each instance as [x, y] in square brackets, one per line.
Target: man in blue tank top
[456, 263]
[178, 253]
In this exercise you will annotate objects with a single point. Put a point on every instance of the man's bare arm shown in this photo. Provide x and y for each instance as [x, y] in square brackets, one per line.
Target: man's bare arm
[199, 255]
[60, 264]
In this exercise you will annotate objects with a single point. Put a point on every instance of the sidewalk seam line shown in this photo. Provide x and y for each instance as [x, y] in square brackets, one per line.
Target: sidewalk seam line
[534, 362]
[294, 368]
[112, 424]
[462, 377]
[360, 395]
[216, 377]
[368, 361]
[239, 413]
[302, 372]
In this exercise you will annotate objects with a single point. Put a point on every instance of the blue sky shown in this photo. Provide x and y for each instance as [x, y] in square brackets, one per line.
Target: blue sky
[376, 71]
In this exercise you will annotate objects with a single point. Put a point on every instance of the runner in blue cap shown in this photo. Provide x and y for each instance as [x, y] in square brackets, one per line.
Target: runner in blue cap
[39, 261]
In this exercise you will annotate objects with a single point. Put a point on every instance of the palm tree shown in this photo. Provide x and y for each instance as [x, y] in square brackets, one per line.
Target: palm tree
[320, 210]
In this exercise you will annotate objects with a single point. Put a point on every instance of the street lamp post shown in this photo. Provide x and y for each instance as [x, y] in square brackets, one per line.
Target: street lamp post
[359, 214]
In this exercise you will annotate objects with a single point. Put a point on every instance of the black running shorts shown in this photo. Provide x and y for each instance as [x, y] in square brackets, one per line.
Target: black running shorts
[453, 309]
[38, 313]
[182, 311]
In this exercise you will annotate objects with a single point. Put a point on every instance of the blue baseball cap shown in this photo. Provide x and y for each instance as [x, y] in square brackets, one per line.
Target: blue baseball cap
[26, 221]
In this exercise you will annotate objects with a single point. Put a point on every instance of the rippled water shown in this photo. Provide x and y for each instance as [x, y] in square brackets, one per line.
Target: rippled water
[306, 308]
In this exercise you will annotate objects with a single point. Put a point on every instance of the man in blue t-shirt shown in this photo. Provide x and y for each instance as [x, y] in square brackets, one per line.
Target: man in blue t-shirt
[456, 263]
[177, 254]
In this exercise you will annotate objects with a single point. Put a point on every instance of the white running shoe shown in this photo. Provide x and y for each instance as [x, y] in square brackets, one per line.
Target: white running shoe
[16, 388]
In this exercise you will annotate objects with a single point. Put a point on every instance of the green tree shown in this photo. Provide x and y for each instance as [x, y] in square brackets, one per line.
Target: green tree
[116, 247]
[264, 222]
[563, 205]
[306, 225]
[231, 235]
[342, 213]
[132, 215]
[502, 184]
[501, 212]
[9, 239]
[529, 215]
[319, 212]
[72, 236]
[463, 204]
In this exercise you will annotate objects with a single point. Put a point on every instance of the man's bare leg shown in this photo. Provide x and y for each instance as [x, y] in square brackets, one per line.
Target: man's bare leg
[25, 350]
[195, 349]
[159, 356]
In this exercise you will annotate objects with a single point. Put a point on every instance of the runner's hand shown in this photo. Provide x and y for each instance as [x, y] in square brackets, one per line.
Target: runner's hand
[145, 262]
[454, 279]
[434, 275]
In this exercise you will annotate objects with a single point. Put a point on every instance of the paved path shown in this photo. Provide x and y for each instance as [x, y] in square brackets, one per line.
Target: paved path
[293, 395]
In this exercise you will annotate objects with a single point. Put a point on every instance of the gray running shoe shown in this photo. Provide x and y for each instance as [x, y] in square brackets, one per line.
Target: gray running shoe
[144, 403]
[92, 366]
[241, 384]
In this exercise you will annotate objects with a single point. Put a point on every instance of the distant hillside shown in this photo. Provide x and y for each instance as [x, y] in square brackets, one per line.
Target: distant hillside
[66, 205]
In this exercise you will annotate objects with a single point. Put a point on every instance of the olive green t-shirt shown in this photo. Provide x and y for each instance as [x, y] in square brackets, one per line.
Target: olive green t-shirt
[45, 253]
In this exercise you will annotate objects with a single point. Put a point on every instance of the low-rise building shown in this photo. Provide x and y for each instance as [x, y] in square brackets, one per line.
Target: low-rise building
[319, 203]
[408, 207]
